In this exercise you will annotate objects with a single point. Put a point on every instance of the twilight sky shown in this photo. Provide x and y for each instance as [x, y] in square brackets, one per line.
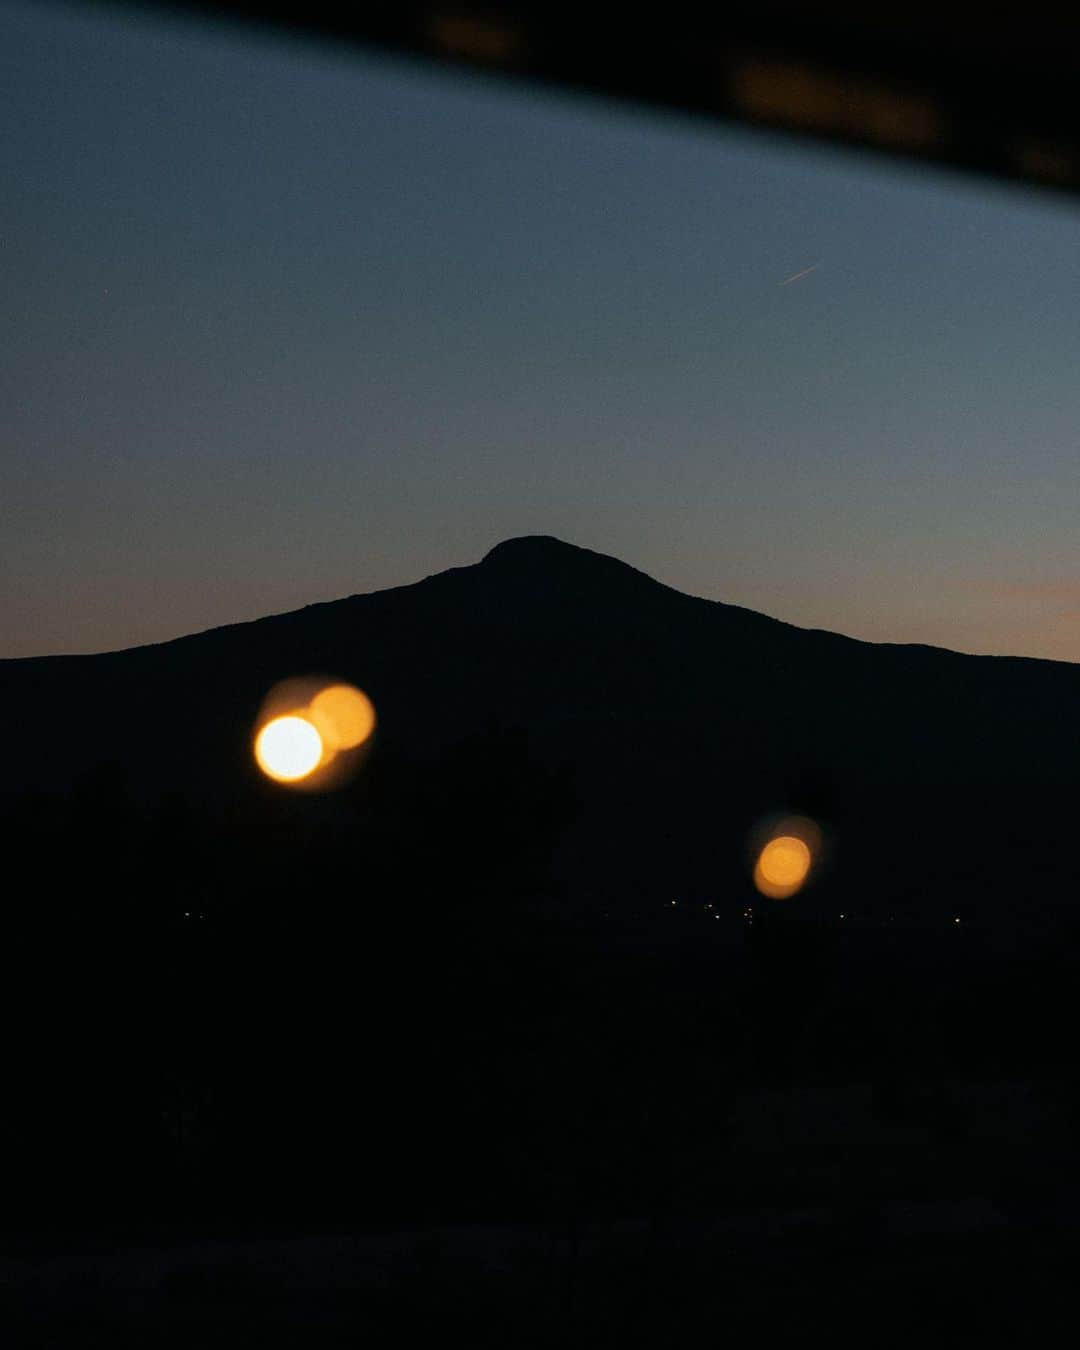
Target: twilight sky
[281, 324]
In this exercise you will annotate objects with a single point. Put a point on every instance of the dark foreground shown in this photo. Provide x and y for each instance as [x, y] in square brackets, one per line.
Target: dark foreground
[912, 1272]
[521, 1133]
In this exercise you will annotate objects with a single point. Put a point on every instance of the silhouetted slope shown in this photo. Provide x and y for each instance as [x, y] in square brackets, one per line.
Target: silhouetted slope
[680, 719]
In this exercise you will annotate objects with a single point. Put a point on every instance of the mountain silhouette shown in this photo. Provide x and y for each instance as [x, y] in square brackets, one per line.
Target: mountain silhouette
[678, 722]
[533, 903]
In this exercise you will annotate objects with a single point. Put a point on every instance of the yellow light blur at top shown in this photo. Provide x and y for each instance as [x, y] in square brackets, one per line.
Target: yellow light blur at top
[288, 748]
[782, 867]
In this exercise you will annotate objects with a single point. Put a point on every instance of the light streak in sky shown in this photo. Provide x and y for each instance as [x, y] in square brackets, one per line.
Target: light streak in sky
[799, 275]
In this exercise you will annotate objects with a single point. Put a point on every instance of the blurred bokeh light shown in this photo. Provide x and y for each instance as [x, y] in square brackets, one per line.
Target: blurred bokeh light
[311, 732]
[785, 857]
[782, 868]
[343, 715]
[288, 748]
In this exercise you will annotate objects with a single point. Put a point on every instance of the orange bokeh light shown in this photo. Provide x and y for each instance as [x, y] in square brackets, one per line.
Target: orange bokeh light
[785, 857]
[288, 748]
[343, 715]
[311, 732]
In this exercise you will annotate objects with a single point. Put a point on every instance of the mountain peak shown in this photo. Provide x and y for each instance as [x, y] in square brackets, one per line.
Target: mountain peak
[534, 548]
[540, 560]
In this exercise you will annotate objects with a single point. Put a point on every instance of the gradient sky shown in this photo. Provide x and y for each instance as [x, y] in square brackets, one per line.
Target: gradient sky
[283, 323]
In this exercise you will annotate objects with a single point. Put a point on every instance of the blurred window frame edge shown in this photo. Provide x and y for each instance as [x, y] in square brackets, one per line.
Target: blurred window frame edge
[986, 96]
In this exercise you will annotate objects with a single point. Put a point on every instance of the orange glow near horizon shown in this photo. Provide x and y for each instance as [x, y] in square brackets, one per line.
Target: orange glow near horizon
[287, 749]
